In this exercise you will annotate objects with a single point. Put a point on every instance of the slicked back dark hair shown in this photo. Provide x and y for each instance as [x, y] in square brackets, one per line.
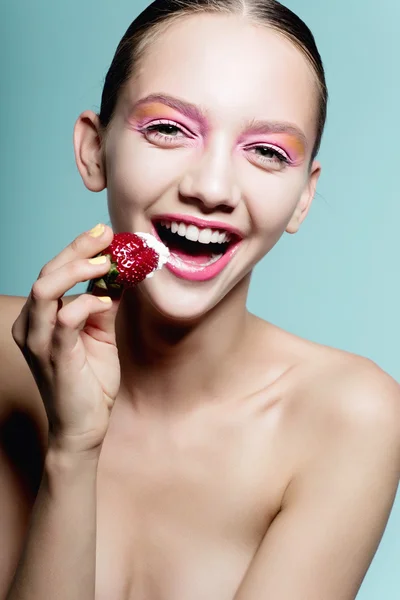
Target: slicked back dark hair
[161, 13]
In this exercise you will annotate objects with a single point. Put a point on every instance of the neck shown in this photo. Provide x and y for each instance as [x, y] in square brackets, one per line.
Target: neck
[173, 366]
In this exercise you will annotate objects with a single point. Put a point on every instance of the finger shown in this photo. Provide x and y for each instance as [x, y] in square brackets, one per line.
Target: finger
[20, 326]
[87, 244]
[70, 321]
[45, 299]
[84, 246]
[101, 326]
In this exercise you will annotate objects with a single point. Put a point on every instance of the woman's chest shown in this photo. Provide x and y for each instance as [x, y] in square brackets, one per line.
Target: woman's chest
[183, 519]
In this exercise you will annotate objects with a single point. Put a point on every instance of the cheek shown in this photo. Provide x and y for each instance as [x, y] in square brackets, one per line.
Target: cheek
[139, 173]
[272, 201]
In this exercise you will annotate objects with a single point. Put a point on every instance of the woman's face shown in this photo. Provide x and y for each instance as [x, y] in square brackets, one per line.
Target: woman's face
[214, 133]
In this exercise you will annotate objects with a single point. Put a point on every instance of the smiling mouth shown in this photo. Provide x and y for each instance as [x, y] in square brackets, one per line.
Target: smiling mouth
[194, 245]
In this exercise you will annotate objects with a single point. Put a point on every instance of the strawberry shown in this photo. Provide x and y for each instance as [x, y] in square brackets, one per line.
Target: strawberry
[132, 259]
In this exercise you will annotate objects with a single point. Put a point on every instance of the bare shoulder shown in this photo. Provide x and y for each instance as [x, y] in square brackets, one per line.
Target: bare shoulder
[17, 386]
[22, 435]
[329, 394]
[359, 390]
[23, 441]
[23, 422]
[339, 399]
[341, 430]
[16, 380]
[353, 385]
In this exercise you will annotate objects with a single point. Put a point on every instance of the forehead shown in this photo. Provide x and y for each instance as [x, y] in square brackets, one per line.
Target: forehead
[232, 69]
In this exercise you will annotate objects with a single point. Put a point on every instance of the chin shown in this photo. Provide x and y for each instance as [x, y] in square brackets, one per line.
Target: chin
[177, 300]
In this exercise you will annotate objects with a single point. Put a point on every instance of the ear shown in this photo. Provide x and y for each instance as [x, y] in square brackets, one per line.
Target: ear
[88, 146]
[307, 196]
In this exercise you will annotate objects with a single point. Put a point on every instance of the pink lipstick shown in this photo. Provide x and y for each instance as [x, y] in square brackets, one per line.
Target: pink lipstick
[191, 259]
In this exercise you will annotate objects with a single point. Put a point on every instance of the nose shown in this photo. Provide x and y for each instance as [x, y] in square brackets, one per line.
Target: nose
[211, 182]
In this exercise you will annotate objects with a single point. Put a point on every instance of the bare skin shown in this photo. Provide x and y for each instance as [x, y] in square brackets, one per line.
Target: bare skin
[184, 500]
[236, 461]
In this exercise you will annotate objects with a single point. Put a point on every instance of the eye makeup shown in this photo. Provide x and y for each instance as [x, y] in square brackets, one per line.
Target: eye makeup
[290, 144]
[150, 111]
[282, 137]
[284, 143]
[145, 112]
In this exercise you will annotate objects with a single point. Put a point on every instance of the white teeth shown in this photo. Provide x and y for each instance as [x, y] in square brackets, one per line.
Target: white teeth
[205, 236]
[222, 238]
[215, 237]
[194, 234]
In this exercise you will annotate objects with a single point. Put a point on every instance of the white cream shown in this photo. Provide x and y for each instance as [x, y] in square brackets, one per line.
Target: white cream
[159, 247]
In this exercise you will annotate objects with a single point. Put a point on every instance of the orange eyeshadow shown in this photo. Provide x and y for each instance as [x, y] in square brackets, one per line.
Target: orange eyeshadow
[153, 110]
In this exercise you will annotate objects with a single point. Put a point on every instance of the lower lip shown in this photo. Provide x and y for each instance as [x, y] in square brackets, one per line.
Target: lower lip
[195, 272]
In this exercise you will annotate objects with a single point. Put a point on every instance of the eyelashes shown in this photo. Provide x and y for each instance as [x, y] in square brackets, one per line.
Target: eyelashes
[167, 133]
[271, 152]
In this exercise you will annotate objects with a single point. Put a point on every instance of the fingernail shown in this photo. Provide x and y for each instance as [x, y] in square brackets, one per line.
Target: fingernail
[97, 231]
[105, 299]
[98, 260]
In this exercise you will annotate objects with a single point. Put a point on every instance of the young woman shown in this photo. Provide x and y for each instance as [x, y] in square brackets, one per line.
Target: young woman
[193, 451]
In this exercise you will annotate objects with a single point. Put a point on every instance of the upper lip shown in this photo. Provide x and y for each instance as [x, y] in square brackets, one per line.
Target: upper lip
[199, 222]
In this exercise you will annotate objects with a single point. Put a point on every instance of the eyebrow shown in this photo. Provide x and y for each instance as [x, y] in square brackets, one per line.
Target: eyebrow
[267, 127]
[186, 108]
[193, 112]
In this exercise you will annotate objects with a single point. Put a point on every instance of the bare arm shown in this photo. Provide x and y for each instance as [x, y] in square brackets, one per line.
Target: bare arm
[70, 348]
[47, 536]
[59, 557]
[322, 542]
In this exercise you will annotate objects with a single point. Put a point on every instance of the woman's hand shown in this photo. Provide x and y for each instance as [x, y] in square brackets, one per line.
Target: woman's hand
[71, 350]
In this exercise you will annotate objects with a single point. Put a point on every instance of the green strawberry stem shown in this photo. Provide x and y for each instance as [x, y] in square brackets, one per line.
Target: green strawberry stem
[108, 281]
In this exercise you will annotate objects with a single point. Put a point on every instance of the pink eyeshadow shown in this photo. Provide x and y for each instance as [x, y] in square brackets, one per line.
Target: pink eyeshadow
[142, 113]
[158, 110]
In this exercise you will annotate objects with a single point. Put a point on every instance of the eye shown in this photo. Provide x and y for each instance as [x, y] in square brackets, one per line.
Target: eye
[270, 156]
[166, 132]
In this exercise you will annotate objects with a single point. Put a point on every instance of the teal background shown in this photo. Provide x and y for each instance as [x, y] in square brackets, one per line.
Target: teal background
[335, 282]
